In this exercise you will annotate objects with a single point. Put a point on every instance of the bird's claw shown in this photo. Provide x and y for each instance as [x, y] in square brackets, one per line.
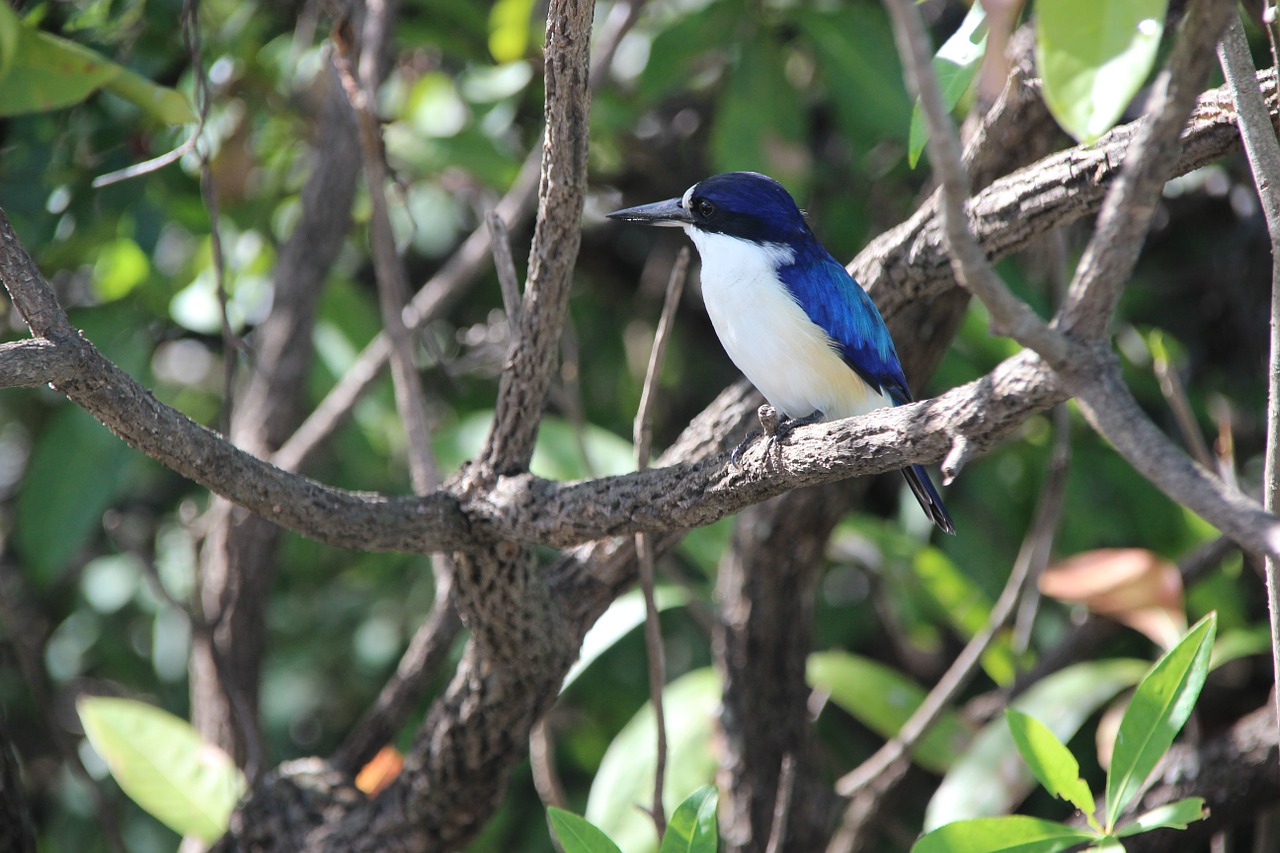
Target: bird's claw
[736, 456]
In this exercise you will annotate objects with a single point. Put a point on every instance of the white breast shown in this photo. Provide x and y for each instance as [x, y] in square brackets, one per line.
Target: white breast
[788, 357]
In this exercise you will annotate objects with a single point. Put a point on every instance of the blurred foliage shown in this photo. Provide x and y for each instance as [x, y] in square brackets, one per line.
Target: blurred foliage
[807, 90]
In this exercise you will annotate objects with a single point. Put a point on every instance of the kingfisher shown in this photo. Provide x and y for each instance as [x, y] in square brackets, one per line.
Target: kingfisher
[792, 319]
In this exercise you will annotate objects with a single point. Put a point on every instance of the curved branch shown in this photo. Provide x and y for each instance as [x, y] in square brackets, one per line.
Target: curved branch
[1006, 217]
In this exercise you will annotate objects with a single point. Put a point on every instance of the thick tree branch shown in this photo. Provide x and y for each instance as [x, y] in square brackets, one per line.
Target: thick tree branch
[561, 195]
[982, 414]
[911, 261]
[34, 362]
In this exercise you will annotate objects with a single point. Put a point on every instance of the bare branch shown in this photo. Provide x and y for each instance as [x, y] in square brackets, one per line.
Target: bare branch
[35, 362]
[393, 280]
[441, 291]
[1263, 150]
[505, 266]
[1126, 214]
[561, 195]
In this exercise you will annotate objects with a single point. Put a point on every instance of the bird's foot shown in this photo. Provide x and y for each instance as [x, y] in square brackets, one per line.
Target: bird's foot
[785, 426]
[736, 456]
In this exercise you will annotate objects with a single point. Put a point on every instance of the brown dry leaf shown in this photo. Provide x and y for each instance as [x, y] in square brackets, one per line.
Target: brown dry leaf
[1131, 585]
[381, 770]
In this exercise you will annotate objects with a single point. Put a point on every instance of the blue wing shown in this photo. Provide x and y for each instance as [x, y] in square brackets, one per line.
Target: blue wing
[839, 305]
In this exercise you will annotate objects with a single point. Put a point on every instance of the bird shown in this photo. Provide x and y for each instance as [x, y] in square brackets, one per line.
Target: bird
[789, 315]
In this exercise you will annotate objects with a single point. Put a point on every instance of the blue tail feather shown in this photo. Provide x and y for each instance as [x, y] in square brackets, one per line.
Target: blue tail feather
[930, 500]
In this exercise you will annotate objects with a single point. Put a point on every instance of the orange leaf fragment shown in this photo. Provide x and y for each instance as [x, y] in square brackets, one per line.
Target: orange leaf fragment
[381, 770]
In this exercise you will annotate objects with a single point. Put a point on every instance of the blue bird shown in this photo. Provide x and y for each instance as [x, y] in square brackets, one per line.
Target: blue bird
[789, 315]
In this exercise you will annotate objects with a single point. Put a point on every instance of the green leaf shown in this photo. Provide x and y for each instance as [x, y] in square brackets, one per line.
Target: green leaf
[165, 105]
[996, 834]
[625, 776]
[955, 65]
[692, 828]
[623, 616]
[578, 835]
[42, 72]
[1172, 816]
[1159, 708]
[163, 765]
[882, 699]
[990, 778]
[1050, 761]
[1093, 56]
[48, 72]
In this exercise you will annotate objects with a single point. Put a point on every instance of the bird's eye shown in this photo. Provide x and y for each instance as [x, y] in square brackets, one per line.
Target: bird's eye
[703, 208]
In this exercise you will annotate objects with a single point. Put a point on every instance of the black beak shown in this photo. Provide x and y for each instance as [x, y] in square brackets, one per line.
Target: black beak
[669, 213]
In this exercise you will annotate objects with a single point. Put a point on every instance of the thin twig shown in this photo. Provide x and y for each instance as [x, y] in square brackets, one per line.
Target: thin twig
[643, 437]
[782, 805]
[542, 763]
[441, 291]
[393, 280]
[505, 266]
[1010, 316]
[1175, 394]
[1263, 151]
[1034, 550]
[190, 35]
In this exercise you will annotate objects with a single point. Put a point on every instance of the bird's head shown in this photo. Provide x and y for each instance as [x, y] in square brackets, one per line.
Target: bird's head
[745, 205]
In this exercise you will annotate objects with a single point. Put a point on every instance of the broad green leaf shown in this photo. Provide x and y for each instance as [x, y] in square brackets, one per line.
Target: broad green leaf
[1050, 761]
[625, 776]
[1174, 816]
[40, 72]
[1159, 708]
[692, 828]
[882, 699]
[1093, 56]
[578, 835]
[990, 778]
[623, 616]
[996, 834]
[162, 763]
[955, 65]
[48, 72]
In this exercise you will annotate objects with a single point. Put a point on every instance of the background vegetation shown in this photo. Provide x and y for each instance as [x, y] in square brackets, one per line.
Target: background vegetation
[99, 546]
